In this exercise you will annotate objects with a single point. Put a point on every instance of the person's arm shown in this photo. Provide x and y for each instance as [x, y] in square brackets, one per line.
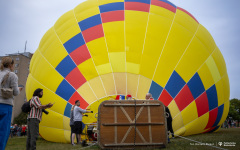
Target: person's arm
[37, 104]
[49, 105]
[84, 110]
[14, 83]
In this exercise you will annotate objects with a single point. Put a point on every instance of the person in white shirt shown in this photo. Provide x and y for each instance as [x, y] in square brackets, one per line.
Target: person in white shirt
[77, 117]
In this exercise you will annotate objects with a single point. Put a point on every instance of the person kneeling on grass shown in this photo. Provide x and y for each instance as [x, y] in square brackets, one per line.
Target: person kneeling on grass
[77, 112]
[34, 118]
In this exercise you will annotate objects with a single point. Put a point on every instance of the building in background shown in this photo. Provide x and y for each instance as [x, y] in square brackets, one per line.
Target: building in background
[21, 68]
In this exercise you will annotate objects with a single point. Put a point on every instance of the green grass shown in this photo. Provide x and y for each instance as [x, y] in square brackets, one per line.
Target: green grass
[19, 143]
[223, 135]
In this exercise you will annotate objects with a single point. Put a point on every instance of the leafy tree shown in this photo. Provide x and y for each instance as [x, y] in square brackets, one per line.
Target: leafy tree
[21, 119]
[234, 110]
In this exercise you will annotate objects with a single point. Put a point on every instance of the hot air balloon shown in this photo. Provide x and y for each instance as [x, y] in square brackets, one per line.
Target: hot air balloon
[105, 48]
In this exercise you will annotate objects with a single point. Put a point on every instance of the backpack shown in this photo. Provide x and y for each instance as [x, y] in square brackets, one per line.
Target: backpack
[26, 107]
[6, 92]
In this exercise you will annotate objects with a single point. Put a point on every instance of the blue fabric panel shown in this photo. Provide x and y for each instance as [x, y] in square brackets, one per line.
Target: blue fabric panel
[68, 110]
[196, 86]
[5, 123]
[219, 115]
[74, 43]
[175, 84]
[65, 90]
[214, 129]
[212, 97]
[111, 7]
[83, 126]
[122, 97]
[66, 66]
[90, 22]
[166, 1]
[155, 90]
[140, 1]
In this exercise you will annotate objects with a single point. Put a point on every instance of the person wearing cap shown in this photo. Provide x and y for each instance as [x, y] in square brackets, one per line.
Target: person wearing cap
[129, 97]
[8, 79]
[77, 117]
[34, 118]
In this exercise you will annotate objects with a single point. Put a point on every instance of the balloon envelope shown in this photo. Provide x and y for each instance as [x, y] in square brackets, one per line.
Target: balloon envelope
[103, 49]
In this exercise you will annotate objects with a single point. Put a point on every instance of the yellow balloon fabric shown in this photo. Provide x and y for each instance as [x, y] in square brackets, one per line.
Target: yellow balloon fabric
[106, 49]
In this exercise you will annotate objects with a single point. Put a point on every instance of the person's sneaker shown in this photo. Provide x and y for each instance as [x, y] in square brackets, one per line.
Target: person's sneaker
[173, 137]
[73, 144]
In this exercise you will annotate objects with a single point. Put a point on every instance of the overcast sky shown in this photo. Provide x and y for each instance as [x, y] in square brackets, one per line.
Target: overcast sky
[22, 20]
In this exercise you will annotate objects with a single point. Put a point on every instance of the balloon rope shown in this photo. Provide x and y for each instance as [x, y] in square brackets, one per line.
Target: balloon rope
[135, 125]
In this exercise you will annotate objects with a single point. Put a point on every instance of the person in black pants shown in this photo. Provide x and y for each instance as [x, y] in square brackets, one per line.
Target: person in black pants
[169, 122]
[72, 123]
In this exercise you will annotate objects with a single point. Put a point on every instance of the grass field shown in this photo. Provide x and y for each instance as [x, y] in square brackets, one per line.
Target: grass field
[223, 135]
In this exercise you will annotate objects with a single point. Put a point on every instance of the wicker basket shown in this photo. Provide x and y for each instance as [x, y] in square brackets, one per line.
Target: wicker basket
[118, 129]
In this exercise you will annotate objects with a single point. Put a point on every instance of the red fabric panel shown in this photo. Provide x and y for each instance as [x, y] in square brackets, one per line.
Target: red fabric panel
[164, 5]
[76, 96]
[202, 104]
[184, 98]
[75, 78]
[165, 98]
[212, 118]
[80, 55]
[187, 13]
[113, 16]
[137, 6]
[93, 33]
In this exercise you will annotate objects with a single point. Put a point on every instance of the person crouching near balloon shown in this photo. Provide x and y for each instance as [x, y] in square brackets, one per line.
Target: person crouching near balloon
[34, 118]
[77, 117]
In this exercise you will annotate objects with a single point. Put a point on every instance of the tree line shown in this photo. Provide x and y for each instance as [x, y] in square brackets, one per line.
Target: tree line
[234, 110]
